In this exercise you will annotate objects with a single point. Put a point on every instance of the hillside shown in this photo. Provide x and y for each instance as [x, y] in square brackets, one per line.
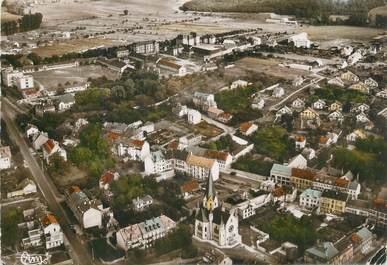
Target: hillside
[377, 15]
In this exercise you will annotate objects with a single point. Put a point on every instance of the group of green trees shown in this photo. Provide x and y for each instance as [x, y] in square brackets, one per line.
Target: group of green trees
[224, 143]
[253, 165]
[318, 11]
[10, 217]
[93, 152]
[25, 23]
[286, 227]
[345, 96]
[368, 160]
[273, 142]
[237, 102]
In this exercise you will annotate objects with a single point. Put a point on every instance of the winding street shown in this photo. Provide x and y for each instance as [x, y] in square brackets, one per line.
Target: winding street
[78, 251]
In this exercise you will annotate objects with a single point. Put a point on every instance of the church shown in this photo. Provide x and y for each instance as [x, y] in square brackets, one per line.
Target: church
[214, 224]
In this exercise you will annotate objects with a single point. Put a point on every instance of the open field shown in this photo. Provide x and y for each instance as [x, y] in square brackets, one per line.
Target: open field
[70, 46]
[340, 32]
[51, 79]
[264, 66]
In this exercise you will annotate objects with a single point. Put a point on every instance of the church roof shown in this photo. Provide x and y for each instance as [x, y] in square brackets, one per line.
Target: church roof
[210, 190]
[220, 217]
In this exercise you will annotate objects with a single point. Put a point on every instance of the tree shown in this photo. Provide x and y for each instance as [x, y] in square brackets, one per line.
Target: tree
[10, 218]
[126, 12]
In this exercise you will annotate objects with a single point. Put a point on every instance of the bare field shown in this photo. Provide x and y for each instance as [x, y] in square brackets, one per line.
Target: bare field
[70, 46]
[265, 66]
[326, 33]
[51, 79]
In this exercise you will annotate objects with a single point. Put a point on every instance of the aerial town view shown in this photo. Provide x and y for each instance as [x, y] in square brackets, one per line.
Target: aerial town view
[211, 132]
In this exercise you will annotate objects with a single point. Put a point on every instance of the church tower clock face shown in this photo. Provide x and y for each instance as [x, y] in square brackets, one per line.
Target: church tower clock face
[231, 228]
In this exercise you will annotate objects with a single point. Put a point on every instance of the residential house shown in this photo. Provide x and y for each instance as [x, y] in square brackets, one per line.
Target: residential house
[88, 212]
[194, 117]
[278, 92]
[310, 199]
[215, 257]
[328, 139]
[349, 77]
[382, 93]
[107, 178]
[309, 114]
[300, 40]
[225, 117]
[249, 206]
[158, 163]
[134, 149]
[5, 157]
[52, 231]
[375, 211]
[300, 142]
[31, 130]
[140, 203]
[356, 134]
[39, 139]
[238, 84]
[116, 65]
[180, 110]
[52, 147]
[247, 128]
[361, 87]
[362, 241]
[144, 234]
[282, 111]
[284, 195]
[258, 102]
[354, 58]
[336, 116]
[333, 202]
[319, 104]
[146, 47]
[26, 187]
[80, 123]
[322, 253]
[65, 102]
[298, 104]
[224, 159]
[362, 118]
[297, 161]
[204, 100]
[361, 108]
[298, 81]
[371, 83]
[302, 178]
[336, 106]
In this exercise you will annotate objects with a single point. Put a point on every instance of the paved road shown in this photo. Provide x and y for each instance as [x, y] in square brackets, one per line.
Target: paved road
[80, 252]
[314, 81]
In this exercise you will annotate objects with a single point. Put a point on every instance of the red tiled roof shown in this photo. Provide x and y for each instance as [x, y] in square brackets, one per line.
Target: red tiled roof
[190, 186]
[218, 155]
[173, 145]
[226, 115]
[323, 139]
[300, 138]
[49, 145]
[341, 182]
[49, 219]
[303, 173]
[278, 192]
[106, 178]
[73, 189]
[137, 143]
[112, 136]
[245, 126]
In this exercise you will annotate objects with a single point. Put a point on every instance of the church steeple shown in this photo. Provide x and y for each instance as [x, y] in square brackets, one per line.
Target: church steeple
[210, 200]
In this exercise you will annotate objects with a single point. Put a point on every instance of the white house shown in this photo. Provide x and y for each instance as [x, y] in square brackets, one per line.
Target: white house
[135, 149]
[336, 81]
[284, 110]
[298, 104]
[25, 82]
[144, 234]
[336, 106]
[88, 212]
[158, 163]
[362, 118]
[300, 40]
[310, 198]
[27, 186]
[330, 138]
[238, 83]
[258, 103]
[356, 134]
[336, 116]
[319, 104]
[39, 139]
[361, 108]
[80, 123]
[140, 203]
[309, 153]
[247, 128]
[204, 100]
[31, 130]
[278, 92]
[298, 162]
[382, 94]
[65, 102]
[180, 110]
[5, 157]
[172, 66]
[300, 142]
[371, 83]
[190, 140]
[52, 231]
[52, 147]
[194, 116]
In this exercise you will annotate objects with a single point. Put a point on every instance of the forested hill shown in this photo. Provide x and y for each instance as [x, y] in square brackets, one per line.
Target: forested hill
[25, 23]
[317, 10]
